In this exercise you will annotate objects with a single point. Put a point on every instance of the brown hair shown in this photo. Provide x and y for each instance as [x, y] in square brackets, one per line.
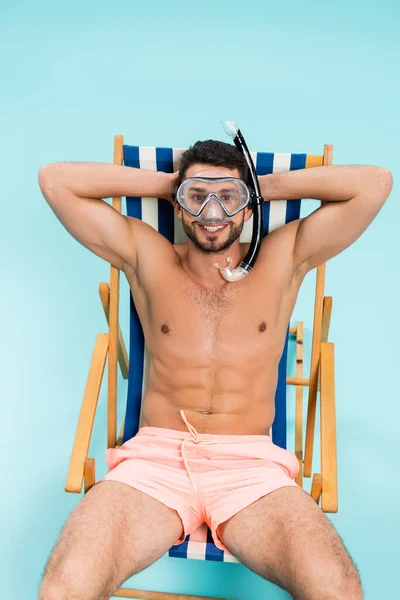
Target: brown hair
[212, 152]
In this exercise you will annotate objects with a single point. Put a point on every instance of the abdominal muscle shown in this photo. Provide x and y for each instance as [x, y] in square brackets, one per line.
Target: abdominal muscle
[212, 353]
[245, 407]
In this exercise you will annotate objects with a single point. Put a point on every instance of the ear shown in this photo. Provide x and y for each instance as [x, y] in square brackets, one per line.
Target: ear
[178, 210]
[247, 213]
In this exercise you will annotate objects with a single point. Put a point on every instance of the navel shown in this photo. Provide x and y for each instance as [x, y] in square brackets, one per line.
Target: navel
[164, 328]
[262, 326]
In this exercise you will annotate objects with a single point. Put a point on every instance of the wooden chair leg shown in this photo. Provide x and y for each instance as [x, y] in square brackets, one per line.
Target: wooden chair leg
[316, 487]
[147, 595]
[113, 321]
[104, 292]
[89, 476]
[299, 402]
[315, 357]
[121, 435]
[329, 502]
[326, 321]
[80, 449]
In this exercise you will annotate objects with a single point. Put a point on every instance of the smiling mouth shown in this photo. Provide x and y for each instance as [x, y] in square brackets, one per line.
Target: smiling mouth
[213, 228]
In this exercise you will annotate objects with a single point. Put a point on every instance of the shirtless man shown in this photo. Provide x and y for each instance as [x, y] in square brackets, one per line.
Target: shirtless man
[215, 347]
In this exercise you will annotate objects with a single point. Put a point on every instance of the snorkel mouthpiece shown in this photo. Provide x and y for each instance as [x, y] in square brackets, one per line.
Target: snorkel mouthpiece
[232, 275]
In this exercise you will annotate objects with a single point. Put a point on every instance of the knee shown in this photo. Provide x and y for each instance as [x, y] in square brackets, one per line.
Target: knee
[350, 592]
[332, 584]
[52, 589]
[57, 591]
[59, 584]
[53, 592]
[74, 587]
[348, 587]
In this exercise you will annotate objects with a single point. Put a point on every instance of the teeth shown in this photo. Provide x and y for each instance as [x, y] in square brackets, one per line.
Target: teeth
[213, 228]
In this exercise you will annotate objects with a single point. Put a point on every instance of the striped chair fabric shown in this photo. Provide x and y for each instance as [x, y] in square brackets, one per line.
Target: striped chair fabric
[160, 214]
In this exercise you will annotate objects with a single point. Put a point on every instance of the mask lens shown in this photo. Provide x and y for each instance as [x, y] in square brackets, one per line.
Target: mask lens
[213, 212]
[194, 193]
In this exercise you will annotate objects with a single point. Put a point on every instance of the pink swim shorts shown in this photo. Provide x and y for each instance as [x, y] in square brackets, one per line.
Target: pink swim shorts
[204, 477]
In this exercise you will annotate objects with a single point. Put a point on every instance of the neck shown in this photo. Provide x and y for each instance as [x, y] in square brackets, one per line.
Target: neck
[199, 264]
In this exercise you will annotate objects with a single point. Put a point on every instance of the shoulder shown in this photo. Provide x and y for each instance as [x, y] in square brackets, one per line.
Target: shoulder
[150, 246]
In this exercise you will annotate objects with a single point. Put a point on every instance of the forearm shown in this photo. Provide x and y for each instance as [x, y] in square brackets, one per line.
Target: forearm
[328, 183]
[103, 180]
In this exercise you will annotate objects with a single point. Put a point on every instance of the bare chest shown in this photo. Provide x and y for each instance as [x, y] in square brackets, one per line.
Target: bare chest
[186, 320]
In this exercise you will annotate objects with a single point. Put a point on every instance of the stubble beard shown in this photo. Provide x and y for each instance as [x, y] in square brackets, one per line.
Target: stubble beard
[213, 247]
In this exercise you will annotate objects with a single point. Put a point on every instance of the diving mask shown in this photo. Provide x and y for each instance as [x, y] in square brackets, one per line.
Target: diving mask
[223, 196]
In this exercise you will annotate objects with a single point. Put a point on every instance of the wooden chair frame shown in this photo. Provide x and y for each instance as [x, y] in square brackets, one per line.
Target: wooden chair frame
[324, 485]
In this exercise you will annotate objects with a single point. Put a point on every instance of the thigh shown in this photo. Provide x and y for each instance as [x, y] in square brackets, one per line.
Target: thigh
[286, 538]
[114, 532]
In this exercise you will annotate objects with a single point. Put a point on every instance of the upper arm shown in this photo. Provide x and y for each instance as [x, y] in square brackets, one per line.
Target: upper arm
[93, 223]
[336, 225]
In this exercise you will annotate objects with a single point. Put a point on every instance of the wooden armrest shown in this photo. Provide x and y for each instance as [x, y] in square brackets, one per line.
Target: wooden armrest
[322, 319]
[326, 321]
[121, 434]
[329, 498]
[104, 292]
[87, 414]
[326, 317]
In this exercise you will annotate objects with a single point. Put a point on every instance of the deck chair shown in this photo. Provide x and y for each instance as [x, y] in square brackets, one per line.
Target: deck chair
[160, 214]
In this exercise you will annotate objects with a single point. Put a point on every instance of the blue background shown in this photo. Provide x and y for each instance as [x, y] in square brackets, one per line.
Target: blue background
[294, 76]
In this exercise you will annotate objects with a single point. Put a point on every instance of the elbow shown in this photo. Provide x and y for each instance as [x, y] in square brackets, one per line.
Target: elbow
[386, 180]
[380, 186]
[387, 184]
[47, 178]
[388, 177]
[44, 177]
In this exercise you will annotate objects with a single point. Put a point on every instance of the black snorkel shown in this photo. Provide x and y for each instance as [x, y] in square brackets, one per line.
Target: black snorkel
[256, 203]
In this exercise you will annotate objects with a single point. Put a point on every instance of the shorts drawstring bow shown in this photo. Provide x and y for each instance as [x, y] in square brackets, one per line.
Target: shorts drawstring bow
[195, 439]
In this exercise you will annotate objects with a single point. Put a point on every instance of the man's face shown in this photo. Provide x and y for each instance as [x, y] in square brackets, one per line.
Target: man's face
[218, 241]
